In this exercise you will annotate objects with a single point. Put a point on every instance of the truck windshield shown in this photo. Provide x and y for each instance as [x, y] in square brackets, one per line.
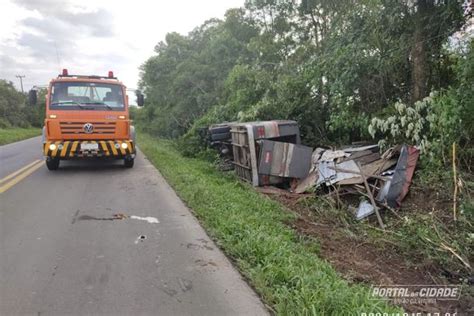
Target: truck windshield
[86, 95]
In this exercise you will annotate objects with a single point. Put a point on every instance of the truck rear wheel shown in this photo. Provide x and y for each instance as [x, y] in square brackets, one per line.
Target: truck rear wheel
[128, 162]
[52, 163]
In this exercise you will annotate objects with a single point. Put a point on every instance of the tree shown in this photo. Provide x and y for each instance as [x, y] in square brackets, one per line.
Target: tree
[330, 65]
[12, 106]
[433, 21]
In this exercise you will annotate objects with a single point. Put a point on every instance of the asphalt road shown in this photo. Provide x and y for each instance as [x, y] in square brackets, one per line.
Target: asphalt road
[65, 251]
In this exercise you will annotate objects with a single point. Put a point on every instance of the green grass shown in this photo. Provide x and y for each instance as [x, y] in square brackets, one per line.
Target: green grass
[11, 135]
[284, 268]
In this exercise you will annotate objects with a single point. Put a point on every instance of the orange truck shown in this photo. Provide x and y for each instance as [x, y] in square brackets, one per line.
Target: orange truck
[87, 117]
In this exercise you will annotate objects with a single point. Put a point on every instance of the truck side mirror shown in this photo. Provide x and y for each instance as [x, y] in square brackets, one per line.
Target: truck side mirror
[32, 97]
[140, 99]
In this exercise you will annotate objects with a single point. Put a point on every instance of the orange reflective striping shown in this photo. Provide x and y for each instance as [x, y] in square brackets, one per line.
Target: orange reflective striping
[114, 150]
[130, 146]
[46, 148]
[73, 148]
[64, 150]
[104, 148]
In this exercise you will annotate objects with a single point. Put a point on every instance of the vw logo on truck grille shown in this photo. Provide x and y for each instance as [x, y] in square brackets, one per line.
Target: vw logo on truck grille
[88, 128]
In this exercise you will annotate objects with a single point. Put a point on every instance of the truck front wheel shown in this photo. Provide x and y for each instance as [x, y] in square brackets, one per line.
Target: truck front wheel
[128, 162]
[52, 163]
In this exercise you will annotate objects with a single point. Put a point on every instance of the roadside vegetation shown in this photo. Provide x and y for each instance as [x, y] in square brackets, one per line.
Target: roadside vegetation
[390, 72]
[18, 120]
[333, 66]
[11, 135]
[15, 110]
[281, 265]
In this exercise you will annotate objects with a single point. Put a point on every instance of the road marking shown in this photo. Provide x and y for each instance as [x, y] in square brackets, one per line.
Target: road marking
[19, 175]
[18, 171]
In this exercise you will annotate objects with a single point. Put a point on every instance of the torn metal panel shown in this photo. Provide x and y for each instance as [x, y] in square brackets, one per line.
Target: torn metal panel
[284, 159]
[347, 166]
[300, 161]
[369, 170]
[365, 209]
[402, 176]
[384, 189]
[326, 172]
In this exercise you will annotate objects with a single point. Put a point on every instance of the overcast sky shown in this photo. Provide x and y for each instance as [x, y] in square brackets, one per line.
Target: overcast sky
[40, 37]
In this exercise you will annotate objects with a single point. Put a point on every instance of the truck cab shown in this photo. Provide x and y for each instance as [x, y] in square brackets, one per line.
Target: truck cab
[88, 117]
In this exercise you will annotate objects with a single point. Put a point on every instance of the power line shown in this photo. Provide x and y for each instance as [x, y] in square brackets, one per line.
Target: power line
[21, 81]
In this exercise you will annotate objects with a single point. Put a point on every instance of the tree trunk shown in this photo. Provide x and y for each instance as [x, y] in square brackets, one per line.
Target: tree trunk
[419, 54]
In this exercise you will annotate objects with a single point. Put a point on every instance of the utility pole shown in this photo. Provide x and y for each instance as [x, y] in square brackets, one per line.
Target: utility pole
[21, 81]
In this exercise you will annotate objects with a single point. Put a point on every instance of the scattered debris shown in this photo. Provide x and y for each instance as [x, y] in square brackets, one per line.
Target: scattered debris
[363, 171]
[140, 238]
[371, 197]
[149, 219]
[365, 209]
[346, 170]
[269, 153]
[381, 196]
